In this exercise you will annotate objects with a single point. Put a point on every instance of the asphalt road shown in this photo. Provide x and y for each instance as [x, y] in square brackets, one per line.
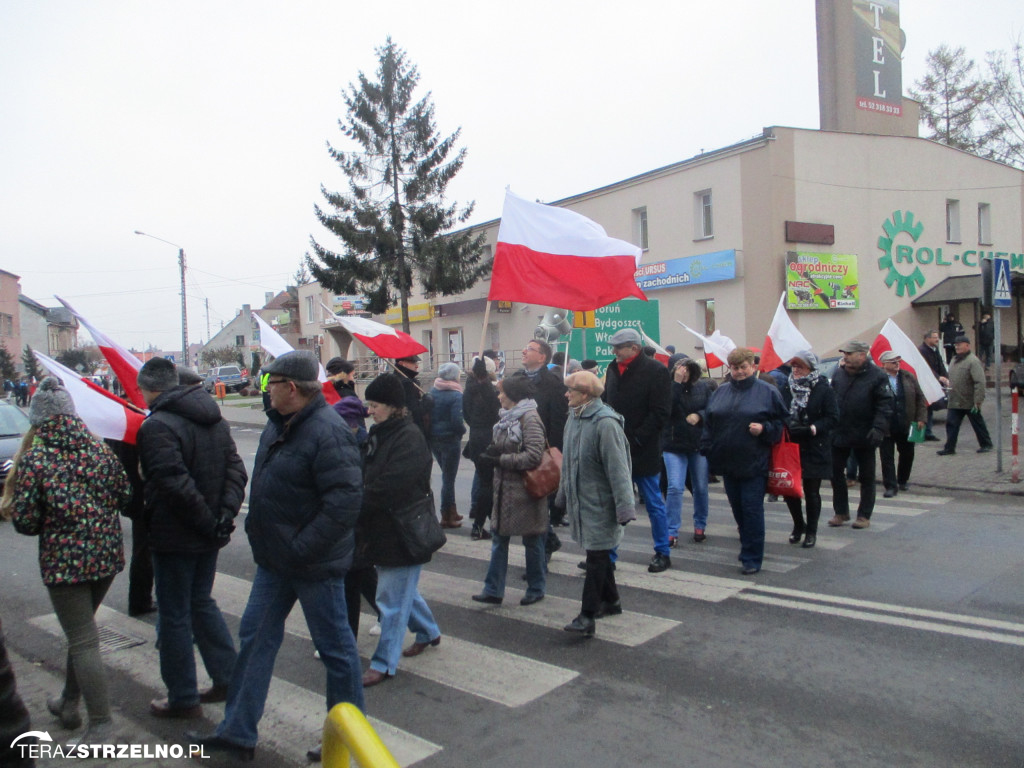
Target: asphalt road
[900, 645]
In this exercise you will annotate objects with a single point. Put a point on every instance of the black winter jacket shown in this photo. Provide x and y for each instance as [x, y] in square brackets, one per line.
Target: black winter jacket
[419, 404]
[191, 470]
[823, 414]
[397, 472]
[306, 494]
[643, 396]
[692, 397]
[480, 408]
[865, 402]
[727, 442]
[549, 392]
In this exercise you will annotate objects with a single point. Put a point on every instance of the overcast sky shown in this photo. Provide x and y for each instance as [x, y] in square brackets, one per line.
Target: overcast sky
[205, 123]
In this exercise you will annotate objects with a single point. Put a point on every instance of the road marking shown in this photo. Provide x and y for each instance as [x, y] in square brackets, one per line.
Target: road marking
[294, 716]
[671, 582]
[630, 628]
[490, 673]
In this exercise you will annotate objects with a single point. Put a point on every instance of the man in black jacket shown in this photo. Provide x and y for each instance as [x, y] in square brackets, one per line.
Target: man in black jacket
[194, 483]
[419, 403]
[638, 387]
[865, 409]
[932, 355]
[305, 499]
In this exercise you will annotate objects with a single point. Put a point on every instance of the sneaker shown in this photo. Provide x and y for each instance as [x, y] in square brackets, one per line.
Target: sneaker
[673, 541]
[862, 522]
[659, 563]
[698, 535]
[839, 520]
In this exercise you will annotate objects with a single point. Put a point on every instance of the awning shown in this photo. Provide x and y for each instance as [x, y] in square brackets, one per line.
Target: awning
[952, 290]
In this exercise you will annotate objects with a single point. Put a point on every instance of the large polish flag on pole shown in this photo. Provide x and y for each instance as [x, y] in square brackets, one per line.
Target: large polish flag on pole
[558, 258]
[123, 363]
[273, 344]
[783, 341]
[716, 346]
[103, 413]
[382, 340]
[892, 337]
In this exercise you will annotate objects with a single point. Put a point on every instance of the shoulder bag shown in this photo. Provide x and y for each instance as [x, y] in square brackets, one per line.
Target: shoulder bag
[419, 532]
[542, 480]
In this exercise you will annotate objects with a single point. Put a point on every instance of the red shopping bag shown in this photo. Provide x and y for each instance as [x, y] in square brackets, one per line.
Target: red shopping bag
[784, 475]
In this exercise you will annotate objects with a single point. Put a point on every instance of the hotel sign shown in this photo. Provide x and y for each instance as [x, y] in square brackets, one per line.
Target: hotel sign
[878, 46]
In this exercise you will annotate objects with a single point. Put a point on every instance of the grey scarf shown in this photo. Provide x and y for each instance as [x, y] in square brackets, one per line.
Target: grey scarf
[508, 420]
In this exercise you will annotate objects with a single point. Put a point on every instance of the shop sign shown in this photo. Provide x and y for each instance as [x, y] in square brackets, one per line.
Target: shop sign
[687, 270]
[821, 281]
[417, 313]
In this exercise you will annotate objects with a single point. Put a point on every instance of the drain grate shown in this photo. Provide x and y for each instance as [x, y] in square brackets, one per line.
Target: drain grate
[111, 640]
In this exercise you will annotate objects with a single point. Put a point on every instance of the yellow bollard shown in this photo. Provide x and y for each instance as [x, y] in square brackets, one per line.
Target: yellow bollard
[347, 735]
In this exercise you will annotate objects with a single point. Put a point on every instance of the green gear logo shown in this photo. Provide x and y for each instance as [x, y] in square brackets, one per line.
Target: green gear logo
[905, 284]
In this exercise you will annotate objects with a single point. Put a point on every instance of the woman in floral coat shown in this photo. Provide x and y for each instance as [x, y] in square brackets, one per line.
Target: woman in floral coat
[69, 489]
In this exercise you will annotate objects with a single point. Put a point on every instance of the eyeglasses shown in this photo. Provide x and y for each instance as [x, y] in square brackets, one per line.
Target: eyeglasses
[531, 349]
[279, 381]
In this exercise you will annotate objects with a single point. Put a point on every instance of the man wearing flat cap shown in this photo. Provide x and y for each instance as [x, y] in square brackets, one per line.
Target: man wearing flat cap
[865, 408]
[304, 501]
[639, 388]
[420, 404]
[966, 394]
[909, 410]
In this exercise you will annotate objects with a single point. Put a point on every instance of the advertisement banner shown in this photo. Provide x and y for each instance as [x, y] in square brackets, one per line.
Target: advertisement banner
[687, 270]
[821, 281]
[878, 49]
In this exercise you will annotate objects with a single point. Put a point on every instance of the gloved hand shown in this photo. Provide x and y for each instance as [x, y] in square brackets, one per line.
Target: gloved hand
[800, 431]
[223, 529]
[875, 437]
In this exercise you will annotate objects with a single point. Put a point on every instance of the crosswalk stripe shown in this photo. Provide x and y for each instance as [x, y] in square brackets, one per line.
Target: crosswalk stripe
[854, 492]
[490, 673]
[672, 582]
[293, 717]
[629, 629]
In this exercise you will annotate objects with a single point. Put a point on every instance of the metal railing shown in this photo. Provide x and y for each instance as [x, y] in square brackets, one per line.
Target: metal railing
[348, 735]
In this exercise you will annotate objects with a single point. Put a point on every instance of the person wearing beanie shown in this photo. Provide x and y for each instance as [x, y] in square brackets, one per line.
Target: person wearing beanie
[446, 430]
[68, 489]
[342, 374]
[480, 408]
[305, 496]
[193, 487]
[396, 476]
[812, 415]
[596, 490]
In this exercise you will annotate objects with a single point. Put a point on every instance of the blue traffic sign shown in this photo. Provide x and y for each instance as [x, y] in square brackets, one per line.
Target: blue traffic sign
[1002, 297]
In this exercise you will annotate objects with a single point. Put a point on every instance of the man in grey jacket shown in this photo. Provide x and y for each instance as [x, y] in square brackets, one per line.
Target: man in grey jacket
[966, 394]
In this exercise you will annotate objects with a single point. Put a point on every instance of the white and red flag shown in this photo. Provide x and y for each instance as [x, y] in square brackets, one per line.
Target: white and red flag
[558, 258]
[892, 337]
[123, 363]
[273, 343]
[783, 341]
[716, 346]
[660, 353]
[104, 414]
[382, 340]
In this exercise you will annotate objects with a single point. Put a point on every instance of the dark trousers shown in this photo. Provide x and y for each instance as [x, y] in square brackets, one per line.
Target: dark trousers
[140, 571]
[482, 493]
[746, 498]
[865, 456]
[360, 582]
[955, 416]
[812, 500]
[14, 719]
[893, 476]
[599, 582]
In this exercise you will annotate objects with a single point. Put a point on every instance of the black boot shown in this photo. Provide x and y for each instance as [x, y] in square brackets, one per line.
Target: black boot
[584, 625]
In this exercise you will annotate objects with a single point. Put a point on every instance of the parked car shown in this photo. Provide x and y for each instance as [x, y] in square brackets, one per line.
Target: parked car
[828, 366]
[231, 375]
[13, 426]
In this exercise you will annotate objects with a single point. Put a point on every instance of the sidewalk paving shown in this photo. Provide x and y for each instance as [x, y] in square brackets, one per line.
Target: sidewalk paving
[966, 471]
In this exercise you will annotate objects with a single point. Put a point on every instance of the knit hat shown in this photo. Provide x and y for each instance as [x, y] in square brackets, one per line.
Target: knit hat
[810, 359]
[158, 375]
[50, 399]
[300, 366]
[335, 366]
[449, 372]
[188, 377]
[386, 389]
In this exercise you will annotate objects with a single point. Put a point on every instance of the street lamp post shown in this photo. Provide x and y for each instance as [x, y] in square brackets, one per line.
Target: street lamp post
[184, 311]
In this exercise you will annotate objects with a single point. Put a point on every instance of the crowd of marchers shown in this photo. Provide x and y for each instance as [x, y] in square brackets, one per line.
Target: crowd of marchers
[332, 503]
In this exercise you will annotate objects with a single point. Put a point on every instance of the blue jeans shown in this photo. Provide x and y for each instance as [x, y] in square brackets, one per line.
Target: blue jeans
[746, 497]
[261, 633]
[184, 584]
[677, 467]
[650, 492]
[400, 605]
[447, 453]
[536, 580]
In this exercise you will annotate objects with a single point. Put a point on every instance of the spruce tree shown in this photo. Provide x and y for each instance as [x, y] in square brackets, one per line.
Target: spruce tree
[394, 222]
[7, 368]
[31, 364]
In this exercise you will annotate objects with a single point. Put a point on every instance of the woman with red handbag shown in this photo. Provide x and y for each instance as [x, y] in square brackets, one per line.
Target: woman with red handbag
[813, 413]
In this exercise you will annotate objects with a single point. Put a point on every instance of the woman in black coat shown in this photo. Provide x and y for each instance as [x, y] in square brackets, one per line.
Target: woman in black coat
[480, 408]
[813, 413]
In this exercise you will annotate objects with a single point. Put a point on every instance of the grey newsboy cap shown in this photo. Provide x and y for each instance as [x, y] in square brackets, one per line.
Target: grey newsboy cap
[889, 356]
[961, 340]
[855, 346]
[158, 375]
[626, 336]
[301, 366]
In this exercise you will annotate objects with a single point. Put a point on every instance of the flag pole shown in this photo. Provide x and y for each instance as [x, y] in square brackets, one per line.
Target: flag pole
[483, 330]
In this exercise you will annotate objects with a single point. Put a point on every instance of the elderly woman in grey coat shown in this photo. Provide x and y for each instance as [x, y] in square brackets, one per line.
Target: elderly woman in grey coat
[518, 445]
[597, 492]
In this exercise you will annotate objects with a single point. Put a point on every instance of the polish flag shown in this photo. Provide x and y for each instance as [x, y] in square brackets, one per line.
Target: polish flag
[382, 340]
[123, 363]
[273, 344]
[716, 346]
[104, 414]
[660, 353]
[555, 257]
[783, 340]
[892, 337]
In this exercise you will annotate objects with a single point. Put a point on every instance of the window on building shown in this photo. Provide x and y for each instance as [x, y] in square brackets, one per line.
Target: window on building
[707, 319]
[239, 341]
[6, 325]
[309, 309]
[952, 221]
[703, 219]
[984, 224]
[640, 227]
